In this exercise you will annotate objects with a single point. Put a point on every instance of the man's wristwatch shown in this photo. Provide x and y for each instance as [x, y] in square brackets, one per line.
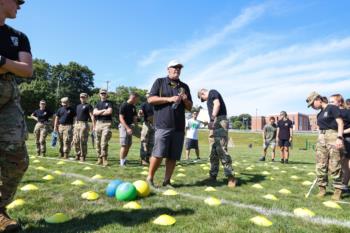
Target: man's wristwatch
[2, 60]
[340, 137]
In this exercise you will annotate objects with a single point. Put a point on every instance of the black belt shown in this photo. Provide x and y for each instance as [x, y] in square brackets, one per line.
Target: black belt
[324, 131]
[104, 121]
[66, 124]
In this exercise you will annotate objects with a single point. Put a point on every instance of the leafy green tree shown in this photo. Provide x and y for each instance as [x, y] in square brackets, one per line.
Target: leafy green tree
[237, 125]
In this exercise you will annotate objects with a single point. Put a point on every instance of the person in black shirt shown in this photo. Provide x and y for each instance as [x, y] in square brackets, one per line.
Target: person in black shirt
[15, 62]
[338, 101]
[170, 97]
[81, 127]
[329, 145]
[284, 136]
[127, 118]
[103, 127]
[42, 127]
[64, 126]
[147, 132]
[218, 135]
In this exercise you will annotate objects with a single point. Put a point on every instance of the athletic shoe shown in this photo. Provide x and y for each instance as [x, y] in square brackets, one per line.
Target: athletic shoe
[167, 184]
[151, 183]
[282, 160]
[286, 161]
[272, 160]
[262, 158]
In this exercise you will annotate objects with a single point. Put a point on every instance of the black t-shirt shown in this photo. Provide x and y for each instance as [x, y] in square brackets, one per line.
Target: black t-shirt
[345, 115]
[165, 116]
[147, 110]
[13, 42]
[42, 115]
[104, 105]
[83, 112]
[213, 95]
[128, 111]
[284, 129]
[66, 115]
[326, 118]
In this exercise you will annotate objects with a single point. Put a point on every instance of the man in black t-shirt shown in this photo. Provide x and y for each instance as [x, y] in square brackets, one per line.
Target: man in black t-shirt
[42, 127]
[81, 127]
[64, 126]
[218, 135]
[170, 97]
[284, 136]
[15, 62]
[127, 118]
[103, 127]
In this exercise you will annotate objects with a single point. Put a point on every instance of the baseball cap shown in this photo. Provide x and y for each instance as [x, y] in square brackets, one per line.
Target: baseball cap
[20, 2]
[42, 102]
[64, 100]
[103, 91]
[311, 98]
[83, 95]
[174, 63]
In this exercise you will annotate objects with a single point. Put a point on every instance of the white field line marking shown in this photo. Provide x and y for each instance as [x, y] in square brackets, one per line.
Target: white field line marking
[262, 210]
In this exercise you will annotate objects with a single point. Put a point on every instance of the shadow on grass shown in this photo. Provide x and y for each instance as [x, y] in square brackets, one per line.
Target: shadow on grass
[94, 221]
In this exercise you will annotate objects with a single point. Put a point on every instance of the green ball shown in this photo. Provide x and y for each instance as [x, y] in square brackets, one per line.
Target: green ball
[126, 192]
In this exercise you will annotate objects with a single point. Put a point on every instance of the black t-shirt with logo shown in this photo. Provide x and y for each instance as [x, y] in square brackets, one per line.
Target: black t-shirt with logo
[213, 95]
[284, 129]
[128, 111]
[104, 105]
[42, 115]
[66, 115]
[83, 112]
[326, 118]
[13, 42]
[147, 110]
[167, 117]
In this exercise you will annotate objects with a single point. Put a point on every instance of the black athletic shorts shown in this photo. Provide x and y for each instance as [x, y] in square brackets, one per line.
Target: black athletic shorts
[283, 143]
[191, 144]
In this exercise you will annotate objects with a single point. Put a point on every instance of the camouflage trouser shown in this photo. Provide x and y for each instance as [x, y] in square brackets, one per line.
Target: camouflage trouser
[13, 164]
[147, 141]
[65, 136]
[103, 135]
[80, 138]
[328, 160]
[218, 139]
[41, 131]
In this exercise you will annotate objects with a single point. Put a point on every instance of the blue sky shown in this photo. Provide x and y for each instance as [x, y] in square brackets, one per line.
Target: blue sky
[265, 55]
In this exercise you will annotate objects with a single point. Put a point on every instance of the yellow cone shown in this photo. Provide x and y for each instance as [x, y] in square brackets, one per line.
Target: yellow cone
[170, 192]
[303, 212]
[283, 171]
[206, 168]
[145, 173]
[212, 201]
[90, 195]
[78, 183]
[272, 178]
[275, 168]
[210, 189]
[249, 168]
[87, 168]
[294, 177]
[96, 177]
[261, 221]
[257, 186]
[266, 173]
[203, 165]
[145, 168]
[164, 220]
[36, 161]
[307, 183]
[57, 172]
[285, 191]
[270, 197]
[57, 218]
[40, 168]
[132, 205]
[29, 187]
[48, 177]
[181, 170]
[311, 174]
[178, 165]
[331, 204]
[60, 163]
[180, 175]
[15, 203]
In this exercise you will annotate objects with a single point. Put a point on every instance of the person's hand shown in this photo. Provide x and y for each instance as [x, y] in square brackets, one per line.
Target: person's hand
[184, 97]
[129, 131]
[174, 99]
[211, 125]
[290, 139]
[339, 143]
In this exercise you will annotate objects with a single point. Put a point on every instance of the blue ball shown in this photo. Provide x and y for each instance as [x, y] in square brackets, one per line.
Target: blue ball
[112, 187]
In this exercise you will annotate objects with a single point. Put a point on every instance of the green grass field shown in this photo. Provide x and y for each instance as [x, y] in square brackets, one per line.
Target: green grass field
[192, 214]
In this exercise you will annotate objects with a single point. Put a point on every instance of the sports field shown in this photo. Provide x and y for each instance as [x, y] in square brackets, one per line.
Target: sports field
[192, 214]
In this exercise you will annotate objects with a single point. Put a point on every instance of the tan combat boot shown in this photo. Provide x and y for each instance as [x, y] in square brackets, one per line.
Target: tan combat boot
[82, 159]
[99, 161]
[104, 161]
[337, 195]
[65, 156]
[7, 224]
[231, 182]
[322, 192]
[44, 154]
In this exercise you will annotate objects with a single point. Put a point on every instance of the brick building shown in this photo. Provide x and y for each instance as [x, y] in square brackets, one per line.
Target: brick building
[302, 122]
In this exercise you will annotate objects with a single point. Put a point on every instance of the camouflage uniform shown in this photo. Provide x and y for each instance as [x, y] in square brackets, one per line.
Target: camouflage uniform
[218, 140]
[81, 136]
[13, 133]
[147, 140]
[65, 136]
[41, 131]
[103, 135]
[328, 160]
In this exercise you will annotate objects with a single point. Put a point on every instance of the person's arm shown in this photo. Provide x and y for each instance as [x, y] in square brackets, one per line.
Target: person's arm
[263, 134]
[122, 121]
[346, 131]
[34, 117]
[156, 100]
[187, 102]
[339, 142]
[277, 134]
[22, 68]
[92, 121]
[56, 123]
[291, 133]
[107, 112]
[216, 108]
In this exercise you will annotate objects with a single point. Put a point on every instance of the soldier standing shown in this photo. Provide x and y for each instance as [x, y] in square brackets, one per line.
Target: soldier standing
[42, 127]
[218, 135]
[103, 127]
[147, 132]
[15, 61]
[64, 126]
[81, 127]
[329, 145]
